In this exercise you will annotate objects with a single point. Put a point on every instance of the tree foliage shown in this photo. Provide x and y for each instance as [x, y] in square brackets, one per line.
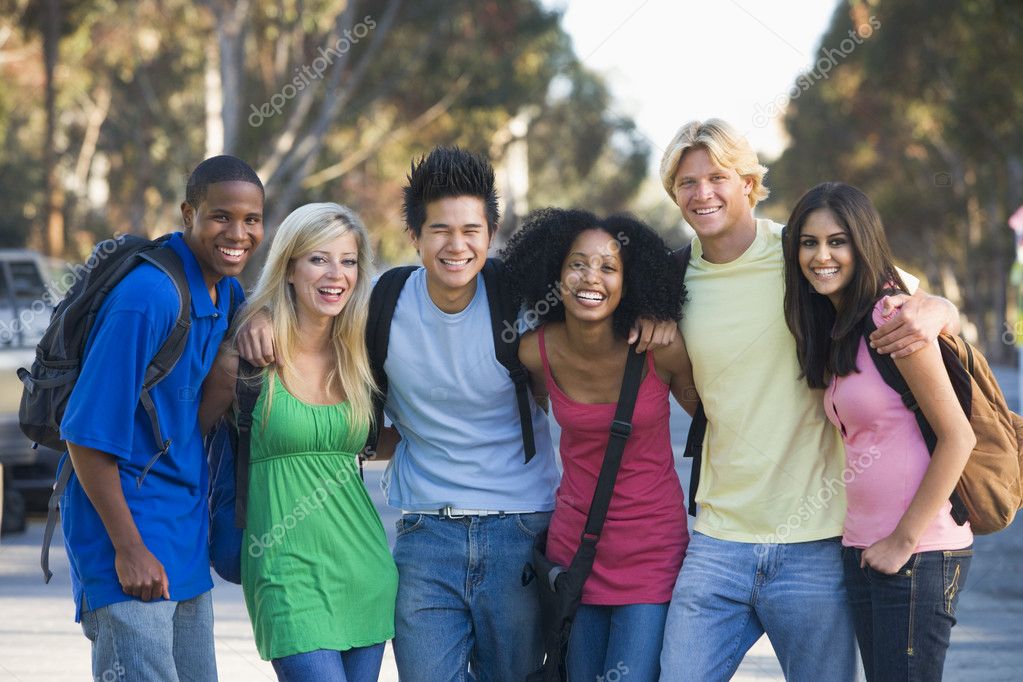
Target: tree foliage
[923, 117]
[328, 99]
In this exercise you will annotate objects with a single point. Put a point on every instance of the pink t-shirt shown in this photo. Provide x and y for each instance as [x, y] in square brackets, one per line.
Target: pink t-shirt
[886, 458]
[645, 535]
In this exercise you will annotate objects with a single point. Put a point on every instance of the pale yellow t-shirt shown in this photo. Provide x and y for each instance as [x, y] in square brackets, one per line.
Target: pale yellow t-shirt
[772, 463]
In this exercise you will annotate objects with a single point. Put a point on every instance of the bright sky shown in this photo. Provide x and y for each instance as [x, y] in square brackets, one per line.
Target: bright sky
[671, 61]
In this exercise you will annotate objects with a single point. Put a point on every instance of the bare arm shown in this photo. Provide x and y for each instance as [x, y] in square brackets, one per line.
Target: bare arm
[255, 340]
[928, 380]
[529, 356]
[387, 443]
[139, 572]
[921, 319]
[218, 389]
[673, 360]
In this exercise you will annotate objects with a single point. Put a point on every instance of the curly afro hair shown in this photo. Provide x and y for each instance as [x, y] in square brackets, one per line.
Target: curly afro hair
[534, 256]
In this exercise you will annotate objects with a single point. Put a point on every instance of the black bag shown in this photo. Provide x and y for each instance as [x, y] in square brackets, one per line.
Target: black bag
[228, 447]
[503, 317]
[60, 353]
[561, 589]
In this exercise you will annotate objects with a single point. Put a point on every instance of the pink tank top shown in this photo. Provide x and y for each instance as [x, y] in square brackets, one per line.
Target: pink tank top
[646, 533]
[886, 458]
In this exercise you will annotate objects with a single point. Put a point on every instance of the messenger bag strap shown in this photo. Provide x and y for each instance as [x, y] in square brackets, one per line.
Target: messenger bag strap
[621, 427]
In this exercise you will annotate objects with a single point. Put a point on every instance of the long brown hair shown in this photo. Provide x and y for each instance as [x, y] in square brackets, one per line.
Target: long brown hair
[827, 339]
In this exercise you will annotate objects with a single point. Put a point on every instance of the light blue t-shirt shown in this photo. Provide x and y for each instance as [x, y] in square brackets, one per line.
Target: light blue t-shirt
[454, 405]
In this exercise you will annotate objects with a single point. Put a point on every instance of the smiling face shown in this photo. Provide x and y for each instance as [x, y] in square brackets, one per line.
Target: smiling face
[225, 228]
[592, 276]
[713, 199]
[453, 245]
[826, 255]
[323, 279]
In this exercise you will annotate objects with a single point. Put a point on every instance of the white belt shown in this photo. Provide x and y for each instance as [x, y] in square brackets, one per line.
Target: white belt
[450, 512]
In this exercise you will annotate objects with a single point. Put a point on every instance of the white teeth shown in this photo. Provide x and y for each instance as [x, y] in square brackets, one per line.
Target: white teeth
[450, 261]
[332, 292]
[233, 253]
[825, 272]
[590, 295]
[706, 211]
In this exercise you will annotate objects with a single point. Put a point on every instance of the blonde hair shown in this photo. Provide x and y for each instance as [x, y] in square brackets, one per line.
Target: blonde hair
[727, 148]
[306, 229]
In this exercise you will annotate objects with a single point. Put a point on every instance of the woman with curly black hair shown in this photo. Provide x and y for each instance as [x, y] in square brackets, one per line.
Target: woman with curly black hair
[585, 281]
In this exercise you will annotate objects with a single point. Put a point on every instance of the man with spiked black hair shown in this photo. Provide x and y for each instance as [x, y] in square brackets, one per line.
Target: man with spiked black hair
[471, 506]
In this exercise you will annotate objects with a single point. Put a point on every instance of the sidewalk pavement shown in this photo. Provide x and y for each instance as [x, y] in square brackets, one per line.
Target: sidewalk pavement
[39, 640]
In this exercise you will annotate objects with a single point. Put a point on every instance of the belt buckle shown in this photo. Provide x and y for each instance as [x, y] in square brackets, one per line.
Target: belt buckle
[446, 513]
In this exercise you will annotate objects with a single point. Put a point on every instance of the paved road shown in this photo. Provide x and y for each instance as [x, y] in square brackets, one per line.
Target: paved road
[40, 642]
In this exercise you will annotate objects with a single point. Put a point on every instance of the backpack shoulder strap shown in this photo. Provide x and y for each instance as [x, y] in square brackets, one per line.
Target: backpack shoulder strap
[698, 426]
[503, 317]
[382, 302]
[683, 256]
[889, 371]
[247, 389]
[173, 346]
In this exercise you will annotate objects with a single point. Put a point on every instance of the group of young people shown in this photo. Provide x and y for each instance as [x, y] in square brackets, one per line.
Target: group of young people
[771, 349]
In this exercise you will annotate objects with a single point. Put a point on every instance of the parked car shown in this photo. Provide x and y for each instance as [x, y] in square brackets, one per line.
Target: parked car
[26, 298]
[28, 293]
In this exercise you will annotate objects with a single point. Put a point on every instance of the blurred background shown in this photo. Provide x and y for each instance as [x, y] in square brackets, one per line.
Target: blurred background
[106, 106]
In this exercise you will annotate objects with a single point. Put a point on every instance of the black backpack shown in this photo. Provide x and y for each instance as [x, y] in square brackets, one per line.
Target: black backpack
[60, 352]
[503, 317]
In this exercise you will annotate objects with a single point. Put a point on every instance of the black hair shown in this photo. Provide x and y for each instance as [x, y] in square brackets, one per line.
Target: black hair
[224, 168]
[448, 172]
[534, 256]
[828, 339]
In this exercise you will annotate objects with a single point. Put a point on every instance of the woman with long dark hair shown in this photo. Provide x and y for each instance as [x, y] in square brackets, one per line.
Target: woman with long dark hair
[905, 558]
[586, 281]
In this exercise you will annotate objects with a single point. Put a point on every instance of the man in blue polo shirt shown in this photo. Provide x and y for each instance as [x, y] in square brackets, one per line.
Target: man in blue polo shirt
[138, 552]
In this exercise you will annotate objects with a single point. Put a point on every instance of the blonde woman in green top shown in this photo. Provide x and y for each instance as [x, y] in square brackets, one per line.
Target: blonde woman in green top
[318, 578]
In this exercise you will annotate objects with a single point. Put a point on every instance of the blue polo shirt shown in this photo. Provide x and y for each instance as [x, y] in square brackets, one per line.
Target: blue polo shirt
[170, 507]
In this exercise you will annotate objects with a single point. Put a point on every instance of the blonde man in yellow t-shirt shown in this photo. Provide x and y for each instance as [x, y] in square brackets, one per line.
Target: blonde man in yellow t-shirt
[765, 555]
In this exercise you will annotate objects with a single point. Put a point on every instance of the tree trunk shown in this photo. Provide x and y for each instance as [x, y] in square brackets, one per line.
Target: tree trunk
[53, 236]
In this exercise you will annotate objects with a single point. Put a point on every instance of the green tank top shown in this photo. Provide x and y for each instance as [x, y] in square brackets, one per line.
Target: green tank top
[316, 569]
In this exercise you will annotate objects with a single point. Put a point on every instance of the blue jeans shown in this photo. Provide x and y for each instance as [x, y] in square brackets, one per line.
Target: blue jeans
[729, 593]
[461, 602]
[904, 621]
[361, 664]
[158, 641]
[616, 642]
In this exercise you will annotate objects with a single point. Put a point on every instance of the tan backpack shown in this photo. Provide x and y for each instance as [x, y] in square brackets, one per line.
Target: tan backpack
[990, 491]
